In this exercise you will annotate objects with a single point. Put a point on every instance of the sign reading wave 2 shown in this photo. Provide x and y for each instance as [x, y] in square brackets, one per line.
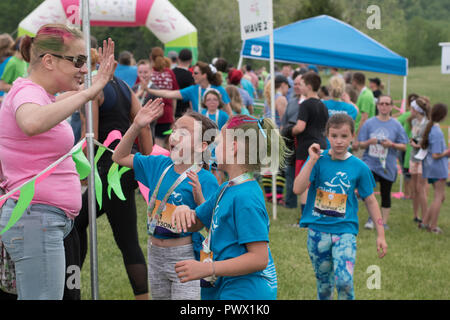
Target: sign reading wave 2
[256, 18]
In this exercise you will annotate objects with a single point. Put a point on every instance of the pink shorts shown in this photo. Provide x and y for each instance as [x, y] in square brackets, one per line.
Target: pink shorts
[415, 167]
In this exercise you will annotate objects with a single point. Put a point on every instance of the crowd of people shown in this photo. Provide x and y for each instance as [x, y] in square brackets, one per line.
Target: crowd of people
[334, 143]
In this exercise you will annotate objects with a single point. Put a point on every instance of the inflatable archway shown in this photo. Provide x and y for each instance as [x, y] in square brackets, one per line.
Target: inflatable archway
[160, 16]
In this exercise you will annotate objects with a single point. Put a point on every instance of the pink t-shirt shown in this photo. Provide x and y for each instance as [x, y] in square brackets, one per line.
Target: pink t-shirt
[23, 157]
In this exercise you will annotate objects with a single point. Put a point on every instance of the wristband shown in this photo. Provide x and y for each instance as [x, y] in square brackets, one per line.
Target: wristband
[214, 269]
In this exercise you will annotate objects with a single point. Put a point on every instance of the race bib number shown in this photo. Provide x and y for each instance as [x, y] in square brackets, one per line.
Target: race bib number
[165, 220]
[330, 204]
[209, 281]
[378, 151]
[206, 257]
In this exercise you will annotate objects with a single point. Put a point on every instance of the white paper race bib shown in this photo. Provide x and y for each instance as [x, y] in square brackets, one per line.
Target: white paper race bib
[378, 151]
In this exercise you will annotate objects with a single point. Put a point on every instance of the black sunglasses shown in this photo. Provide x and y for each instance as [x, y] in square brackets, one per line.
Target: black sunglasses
[78, 61]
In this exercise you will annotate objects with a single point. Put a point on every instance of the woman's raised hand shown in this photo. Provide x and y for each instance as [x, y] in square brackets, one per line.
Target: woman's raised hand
[107, 66]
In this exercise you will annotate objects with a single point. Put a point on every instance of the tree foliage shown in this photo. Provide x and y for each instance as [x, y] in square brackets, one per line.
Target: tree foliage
[412, 28]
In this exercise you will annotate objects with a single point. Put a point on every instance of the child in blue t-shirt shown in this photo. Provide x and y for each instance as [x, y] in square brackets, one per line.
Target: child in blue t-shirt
[435, 165]
[238, 263]
[166, 178]
[212, 107]
[331, 211]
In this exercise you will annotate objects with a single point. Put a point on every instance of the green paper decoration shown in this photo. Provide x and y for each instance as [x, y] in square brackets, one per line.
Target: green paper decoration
[114, 176]
[81, 163]
[26, 195]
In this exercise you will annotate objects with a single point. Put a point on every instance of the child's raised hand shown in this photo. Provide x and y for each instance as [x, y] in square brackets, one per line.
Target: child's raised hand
[314, 152]
[381, 247]
[188, 270]
[183, 218]
[151, 111]
[196, 187]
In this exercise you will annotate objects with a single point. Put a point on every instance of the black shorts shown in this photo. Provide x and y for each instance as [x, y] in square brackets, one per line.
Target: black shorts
[160, 128]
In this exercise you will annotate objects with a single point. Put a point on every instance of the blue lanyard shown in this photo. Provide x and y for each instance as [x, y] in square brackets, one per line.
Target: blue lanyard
[238, 180]
[151, 224]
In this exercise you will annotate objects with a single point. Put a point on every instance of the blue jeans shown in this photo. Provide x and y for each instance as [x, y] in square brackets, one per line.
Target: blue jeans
[36, 245]
[291, 197]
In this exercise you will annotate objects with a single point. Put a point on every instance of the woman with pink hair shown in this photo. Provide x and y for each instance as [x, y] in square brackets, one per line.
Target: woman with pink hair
[35, 134]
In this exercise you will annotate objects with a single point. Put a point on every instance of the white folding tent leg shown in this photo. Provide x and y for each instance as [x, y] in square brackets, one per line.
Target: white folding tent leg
[239, 66]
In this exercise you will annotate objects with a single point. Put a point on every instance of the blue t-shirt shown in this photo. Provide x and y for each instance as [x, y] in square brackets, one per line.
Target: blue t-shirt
[246, 99]
[244, 111]
[375, 154]
[332, 205]
[240, 218]
[148, 170]
[435, 169]
[268, 110]
[335, 107]
[223, 117]
[248, 86]
[127, 74]
[191, 94]
[2, 68]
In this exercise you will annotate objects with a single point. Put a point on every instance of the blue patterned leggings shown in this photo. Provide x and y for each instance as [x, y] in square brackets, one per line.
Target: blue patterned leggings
[333, 258]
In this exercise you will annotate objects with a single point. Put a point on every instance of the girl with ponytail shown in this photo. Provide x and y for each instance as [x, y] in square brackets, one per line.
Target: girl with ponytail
[163, 78]
[435, 165]
[205, 77]
[420, 114]
[237, 263]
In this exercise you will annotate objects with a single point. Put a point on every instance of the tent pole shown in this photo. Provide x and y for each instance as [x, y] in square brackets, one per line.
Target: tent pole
[272, 104]
[403, 107]
[90, 146]
[239, 65]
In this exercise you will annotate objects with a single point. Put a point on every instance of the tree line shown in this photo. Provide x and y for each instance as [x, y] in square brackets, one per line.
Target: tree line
[411, 28]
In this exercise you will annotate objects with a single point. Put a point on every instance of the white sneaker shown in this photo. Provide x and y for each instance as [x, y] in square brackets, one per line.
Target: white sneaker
[369, 224]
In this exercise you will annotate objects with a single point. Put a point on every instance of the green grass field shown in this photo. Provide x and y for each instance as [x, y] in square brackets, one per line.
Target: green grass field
[417, 265]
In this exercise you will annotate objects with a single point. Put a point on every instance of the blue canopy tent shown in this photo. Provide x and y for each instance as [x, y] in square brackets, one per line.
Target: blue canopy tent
[327, 41]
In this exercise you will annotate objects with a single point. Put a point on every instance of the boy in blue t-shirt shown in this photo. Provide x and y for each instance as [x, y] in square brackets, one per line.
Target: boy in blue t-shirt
[331, 208]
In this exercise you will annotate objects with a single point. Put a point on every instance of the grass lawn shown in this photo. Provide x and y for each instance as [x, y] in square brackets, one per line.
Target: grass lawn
[417, 265]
